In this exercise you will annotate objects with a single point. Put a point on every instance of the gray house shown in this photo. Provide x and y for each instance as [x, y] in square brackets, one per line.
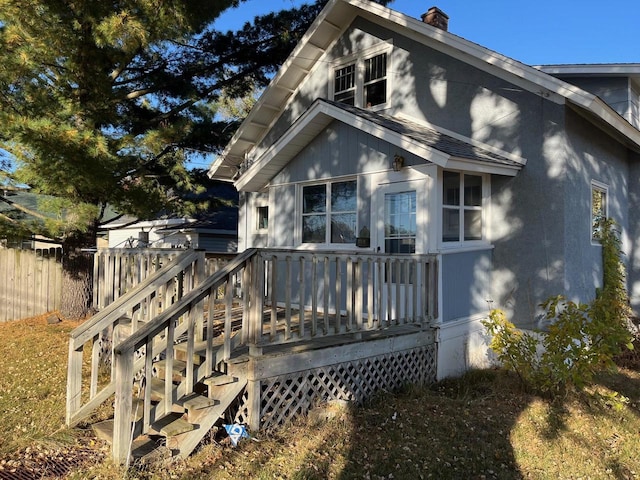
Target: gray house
[387, 134]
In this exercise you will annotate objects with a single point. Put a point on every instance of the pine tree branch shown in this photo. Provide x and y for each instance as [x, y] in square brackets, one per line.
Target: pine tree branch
[23, 209]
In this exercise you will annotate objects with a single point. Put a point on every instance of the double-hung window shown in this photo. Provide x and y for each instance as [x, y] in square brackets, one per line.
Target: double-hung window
[375, 80]
[461, 207]
[329, 212]
[362, 80]
[345, 84]
[598, 209]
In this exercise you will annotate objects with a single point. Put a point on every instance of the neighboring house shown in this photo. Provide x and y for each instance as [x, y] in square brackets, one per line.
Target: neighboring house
[384, 133]
[215, 230]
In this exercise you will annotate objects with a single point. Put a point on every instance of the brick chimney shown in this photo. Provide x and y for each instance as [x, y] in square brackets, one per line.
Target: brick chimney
[436, 18]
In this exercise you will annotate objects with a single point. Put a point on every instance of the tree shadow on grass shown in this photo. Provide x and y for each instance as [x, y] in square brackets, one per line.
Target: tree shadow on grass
[453, 429]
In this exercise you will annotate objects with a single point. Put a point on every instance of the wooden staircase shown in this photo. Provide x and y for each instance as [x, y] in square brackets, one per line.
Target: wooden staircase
[172, 339]
[191, 417]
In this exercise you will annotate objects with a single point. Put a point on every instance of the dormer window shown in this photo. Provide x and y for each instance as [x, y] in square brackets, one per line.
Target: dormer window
[361, 80]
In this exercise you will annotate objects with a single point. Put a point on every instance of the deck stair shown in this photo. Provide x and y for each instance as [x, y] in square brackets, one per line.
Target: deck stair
[190, 418]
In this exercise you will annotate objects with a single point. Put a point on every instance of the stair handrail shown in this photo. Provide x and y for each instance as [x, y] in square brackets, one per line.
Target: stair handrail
[158, 324]
[92, 329]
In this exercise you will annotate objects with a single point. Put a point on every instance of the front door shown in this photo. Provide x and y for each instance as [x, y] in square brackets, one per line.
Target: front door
[398, 229]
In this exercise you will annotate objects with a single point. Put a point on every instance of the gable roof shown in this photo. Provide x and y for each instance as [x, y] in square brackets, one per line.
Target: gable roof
[441, 148]
[333, 21]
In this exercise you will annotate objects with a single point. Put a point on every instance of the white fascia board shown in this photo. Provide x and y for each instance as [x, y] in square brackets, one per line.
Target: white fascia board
[596, 69]
[479, 166]
[331, 112]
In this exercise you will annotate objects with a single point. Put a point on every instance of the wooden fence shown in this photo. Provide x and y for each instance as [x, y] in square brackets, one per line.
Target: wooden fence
[30, 282]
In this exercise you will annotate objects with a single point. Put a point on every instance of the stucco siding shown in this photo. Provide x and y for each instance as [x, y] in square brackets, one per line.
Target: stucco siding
[593, 156]
[466, 279]
[526, 223]
[633, 254]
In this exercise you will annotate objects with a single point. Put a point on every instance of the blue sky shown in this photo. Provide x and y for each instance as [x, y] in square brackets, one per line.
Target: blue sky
[534, 32]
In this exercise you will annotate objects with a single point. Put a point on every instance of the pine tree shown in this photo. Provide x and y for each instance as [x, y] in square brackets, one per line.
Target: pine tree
[103, 101]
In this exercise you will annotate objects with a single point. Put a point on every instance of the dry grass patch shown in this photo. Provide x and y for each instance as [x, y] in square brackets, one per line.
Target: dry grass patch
[482, 426]
[33, 379]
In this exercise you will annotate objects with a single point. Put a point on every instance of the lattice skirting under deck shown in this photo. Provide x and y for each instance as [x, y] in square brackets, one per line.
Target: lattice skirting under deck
[286, 397]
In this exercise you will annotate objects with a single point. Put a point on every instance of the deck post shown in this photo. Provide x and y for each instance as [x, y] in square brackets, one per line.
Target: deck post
[257, 300]
[253, 403]
[74, 381]
[123, 406]
[199, 308]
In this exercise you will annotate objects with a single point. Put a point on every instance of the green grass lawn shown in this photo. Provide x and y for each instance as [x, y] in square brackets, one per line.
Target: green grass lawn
[482, 426]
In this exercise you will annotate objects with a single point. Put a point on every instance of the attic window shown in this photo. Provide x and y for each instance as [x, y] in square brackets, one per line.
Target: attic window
[375, 80]
[361, 79]
[345, 84]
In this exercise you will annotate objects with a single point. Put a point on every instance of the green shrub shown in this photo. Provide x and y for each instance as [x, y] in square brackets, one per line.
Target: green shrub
[582, 339]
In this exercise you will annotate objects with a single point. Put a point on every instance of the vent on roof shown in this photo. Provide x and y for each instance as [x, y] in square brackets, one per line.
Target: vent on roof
[436, 18]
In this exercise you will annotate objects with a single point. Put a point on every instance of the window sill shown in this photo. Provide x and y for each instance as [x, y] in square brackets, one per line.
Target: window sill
[464, 247]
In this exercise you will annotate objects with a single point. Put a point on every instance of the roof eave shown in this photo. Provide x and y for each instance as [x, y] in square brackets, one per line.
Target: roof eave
[304, 56]
[318, 117]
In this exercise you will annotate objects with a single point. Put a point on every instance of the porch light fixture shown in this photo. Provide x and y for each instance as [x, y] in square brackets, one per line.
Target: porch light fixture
[398, 162]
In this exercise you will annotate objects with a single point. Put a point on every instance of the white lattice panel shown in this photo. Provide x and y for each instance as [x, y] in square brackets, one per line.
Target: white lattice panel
[288, 396]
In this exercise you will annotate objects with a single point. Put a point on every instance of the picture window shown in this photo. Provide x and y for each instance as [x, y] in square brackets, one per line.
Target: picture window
[329, 212]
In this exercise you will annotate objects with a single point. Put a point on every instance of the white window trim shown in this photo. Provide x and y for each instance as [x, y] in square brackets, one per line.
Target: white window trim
[358, 58]
[463, 244]
[299, 215]
[602, 187]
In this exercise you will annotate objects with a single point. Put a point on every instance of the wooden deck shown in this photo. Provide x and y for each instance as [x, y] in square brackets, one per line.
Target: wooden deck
[267, 321]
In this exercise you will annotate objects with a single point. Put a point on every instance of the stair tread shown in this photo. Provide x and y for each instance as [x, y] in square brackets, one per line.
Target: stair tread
[157, 389]
[104, 430]
[146, 449]
[200, 346]
[172, 425]
[205, 419]
[179, 366]
[219, 379]
[196, 402]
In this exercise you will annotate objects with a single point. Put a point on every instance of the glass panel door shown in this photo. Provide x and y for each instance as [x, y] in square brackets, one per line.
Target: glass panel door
[400, 222]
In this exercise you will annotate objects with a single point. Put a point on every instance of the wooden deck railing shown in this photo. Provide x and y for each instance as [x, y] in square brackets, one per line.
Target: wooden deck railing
[128, 312]
[315, 294]
[117, 271]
